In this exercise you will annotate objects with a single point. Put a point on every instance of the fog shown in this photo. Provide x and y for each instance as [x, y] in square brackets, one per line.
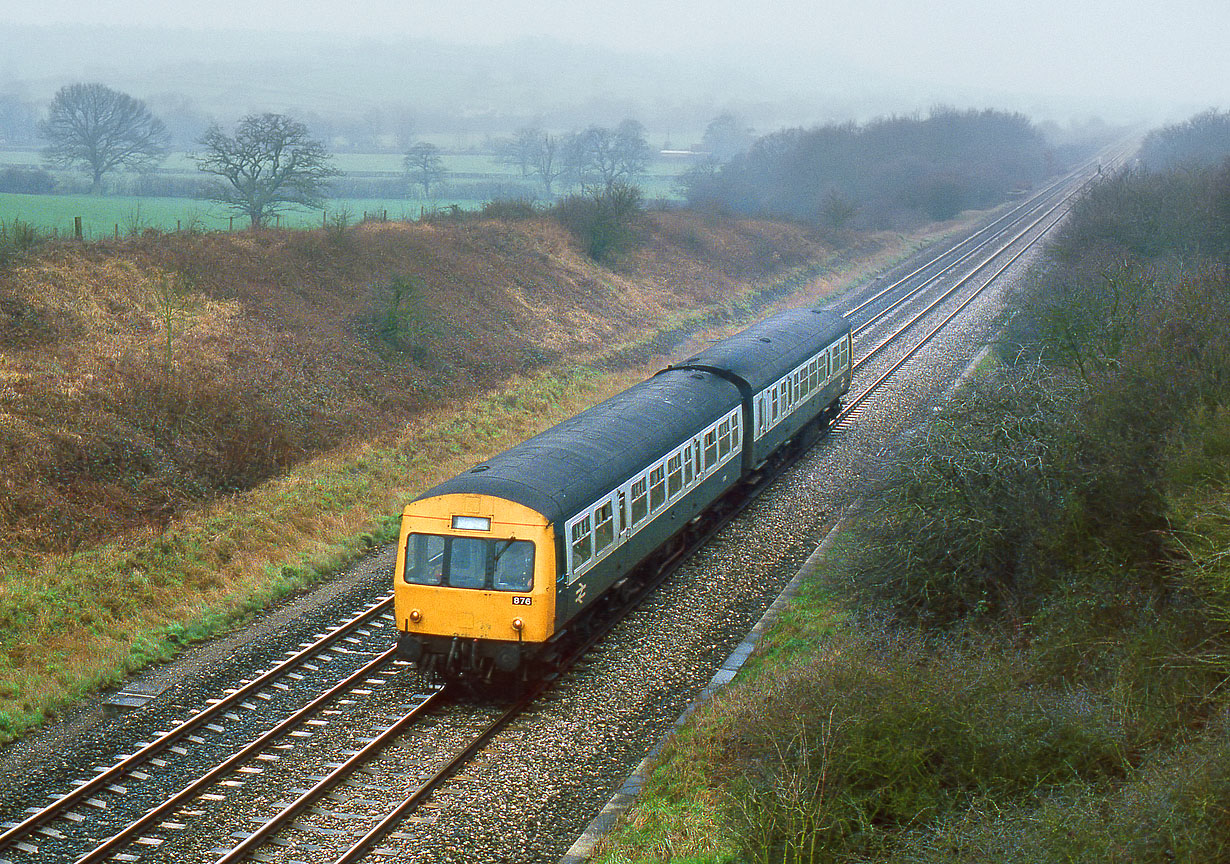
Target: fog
[482, 66]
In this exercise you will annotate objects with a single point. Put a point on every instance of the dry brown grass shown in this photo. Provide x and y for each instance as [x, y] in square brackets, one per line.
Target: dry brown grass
[273, 354]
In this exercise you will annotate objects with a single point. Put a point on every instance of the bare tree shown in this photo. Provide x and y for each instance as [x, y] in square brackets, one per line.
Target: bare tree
[100, 129]
[537, 153]
[725, 137]
[425, 166]
[270, 164]
[600, 156]
[548, 164]
[519, 150]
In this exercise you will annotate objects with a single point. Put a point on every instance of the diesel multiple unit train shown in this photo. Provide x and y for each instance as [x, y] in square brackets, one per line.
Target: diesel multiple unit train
[498, 564]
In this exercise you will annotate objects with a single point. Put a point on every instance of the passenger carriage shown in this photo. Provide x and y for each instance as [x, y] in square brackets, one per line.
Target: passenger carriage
[502, 560]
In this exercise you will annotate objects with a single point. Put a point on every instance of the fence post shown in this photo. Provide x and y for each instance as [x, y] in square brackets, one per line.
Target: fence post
[117, 230]
[230, 225]
[177, 228]
[77, 227]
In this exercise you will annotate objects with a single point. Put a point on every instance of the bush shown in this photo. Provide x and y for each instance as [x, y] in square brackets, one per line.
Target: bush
[18, 238]
[881, 733]
[964, 527]
[26, 181]
[509, 209]
[605, 221]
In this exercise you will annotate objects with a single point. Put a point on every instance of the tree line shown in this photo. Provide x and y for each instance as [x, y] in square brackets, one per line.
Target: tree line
[887, 173]
[272, 162]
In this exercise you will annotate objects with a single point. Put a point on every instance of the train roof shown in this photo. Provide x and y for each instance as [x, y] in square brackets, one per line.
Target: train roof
[766, 351]
[569, 466]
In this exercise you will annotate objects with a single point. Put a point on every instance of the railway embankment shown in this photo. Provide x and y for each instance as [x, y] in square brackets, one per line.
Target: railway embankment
[195, 425]
[1017, 652]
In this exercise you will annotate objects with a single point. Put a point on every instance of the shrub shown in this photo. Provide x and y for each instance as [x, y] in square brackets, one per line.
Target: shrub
[509, 209]
[17, 238]
[832, 757]
[27, 181]
[605, 221]
[963, 527]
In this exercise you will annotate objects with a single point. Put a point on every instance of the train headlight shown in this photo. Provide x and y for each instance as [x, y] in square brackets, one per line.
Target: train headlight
[416, 616]
[518, 624]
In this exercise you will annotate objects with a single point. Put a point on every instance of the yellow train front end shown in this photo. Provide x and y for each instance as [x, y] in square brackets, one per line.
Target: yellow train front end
[474, 586]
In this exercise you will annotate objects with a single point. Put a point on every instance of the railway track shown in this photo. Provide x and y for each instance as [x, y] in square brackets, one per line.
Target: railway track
[315, 803]
[115, 790]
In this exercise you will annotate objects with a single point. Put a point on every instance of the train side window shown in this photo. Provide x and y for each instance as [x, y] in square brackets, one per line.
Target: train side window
[657, 487]
[467, 562]
[582, 543]
[674, 475]
[604, 527]
[640, 501]
[688, 473]
[711, 448]
[735, 432]
[773, 406]
[424, 559]
[724, 438]
[623, 510]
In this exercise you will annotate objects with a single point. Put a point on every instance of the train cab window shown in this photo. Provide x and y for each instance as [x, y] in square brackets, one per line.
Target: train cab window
[604, 527]
[513, 565]
[582, 543]
[674, 475]
[657, 487]
[467, 562]
[710, 448]
[640, 501]
[688, 468]
[424, 559]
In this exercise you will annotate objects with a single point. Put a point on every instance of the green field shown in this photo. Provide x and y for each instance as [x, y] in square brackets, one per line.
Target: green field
[110, 214]
[125, 215]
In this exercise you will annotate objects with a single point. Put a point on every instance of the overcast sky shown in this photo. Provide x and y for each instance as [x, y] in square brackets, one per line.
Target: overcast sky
[1170, 56]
